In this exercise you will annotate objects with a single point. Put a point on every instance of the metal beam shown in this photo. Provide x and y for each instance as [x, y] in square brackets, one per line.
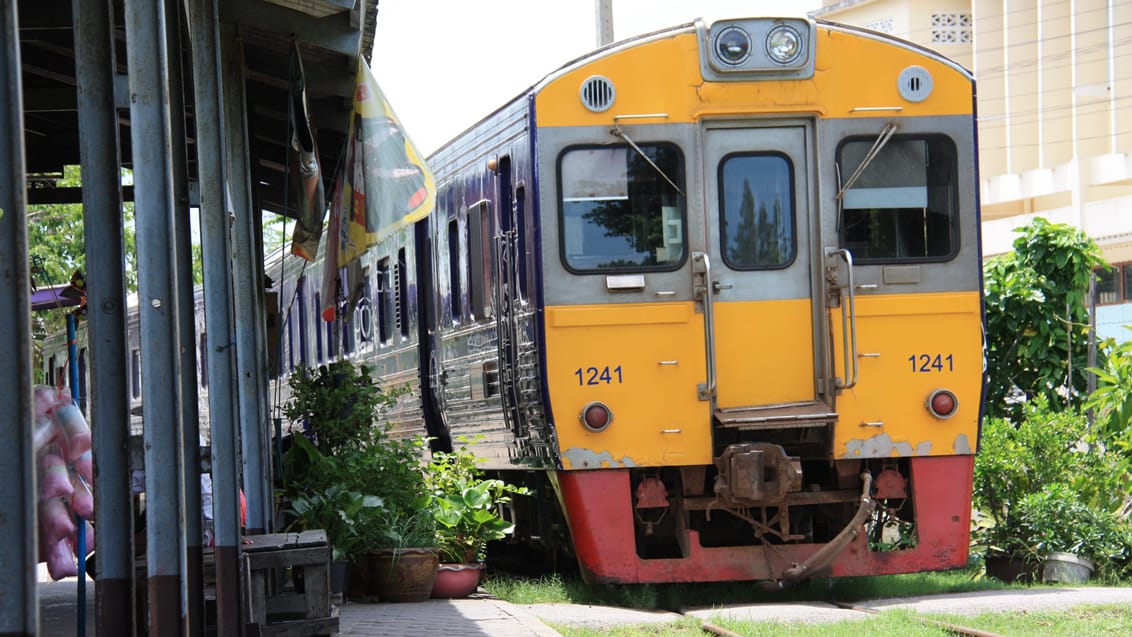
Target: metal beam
[151, 136]
[19, 599]
[101, 195]
[216, 252]
[334, 32]
[247, 289]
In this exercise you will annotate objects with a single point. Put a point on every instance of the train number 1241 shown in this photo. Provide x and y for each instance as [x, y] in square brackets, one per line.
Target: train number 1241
[926, 363]
[596, 376]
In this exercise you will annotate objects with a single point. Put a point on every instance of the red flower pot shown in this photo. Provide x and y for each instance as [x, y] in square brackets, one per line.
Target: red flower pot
[456, 580]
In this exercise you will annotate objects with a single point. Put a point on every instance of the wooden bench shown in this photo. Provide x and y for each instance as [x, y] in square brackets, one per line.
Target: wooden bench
[272, 611]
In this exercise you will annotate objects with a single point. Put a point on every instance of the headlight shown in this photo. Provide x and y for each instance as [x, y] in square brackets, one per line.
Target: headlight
[733, 45]
[783, 44]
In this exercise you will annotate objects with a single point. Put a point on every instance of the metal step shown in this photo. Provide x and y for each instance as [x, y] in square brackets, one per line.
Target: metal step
[779, 416]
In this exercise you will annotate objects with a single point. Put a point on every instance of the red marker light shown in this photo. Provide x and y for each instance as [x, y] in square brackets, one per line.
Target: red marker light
[942, 403]
[596, 416]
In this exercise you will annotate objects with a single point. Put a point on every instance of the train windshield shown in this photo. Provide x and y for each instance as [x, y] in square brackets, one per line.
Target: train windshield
[618, 211]
[904, 204]
[757, 211]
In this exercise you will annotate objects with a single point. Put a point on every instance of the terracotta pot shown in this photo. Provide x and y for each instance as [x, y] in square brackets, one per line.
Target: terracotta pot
[1010, 569]
[456, 580]
[404, 575]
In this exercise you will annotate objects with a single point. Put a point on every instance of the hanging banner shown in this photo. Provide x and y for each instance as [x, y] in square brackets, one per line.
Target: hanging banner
[305, 169]
[385, 183]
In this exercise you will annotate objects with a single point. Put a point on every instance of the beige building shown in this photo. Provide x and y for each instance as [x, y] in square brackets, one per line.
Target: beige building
[1054, 82]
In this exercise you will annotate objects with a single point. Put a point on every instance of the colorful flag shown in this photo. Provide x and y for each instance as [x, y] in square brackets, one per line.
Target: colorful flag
[386, 184]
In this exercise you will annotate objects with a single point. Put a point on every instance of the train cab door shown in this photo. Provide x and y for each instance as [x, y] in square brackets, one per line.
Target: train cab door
[755, 280]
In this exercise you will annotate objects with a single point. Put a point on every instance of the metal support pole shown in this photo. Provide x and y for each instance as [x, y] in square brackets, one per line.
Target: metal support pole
[247, 286]
[151, 141]
[106, 315]
[216, 251]
[193, 566]
[19, 599]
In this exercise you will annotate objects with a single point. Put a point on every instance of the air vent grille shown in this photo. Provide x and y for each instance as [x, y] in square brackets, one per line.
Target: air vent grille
[597, 93]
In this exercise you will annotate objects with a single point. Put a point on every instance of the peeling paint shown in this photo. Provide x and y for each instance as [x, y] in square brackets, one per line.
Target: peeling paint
[962, 445]
[589, 459]
[882, 446]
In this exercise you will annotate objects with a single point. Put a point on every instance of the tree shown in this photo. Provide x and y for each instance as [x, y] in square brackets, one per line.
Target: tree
[1037, 317]
[56, 248]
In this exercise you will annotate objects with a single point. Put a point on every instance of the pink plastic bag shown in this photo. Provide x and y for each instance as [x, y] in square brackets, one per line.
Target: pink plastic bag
[69, 419]
[61, 561]
[55, 521]
[54, 481]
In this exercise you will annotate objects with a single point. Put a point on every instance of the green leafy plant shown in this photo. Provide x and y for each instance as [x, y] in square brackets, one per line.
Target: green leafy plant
[415, 528]
[337, 404]
[1037, 318]
[342, 513]
[467, 507]
[1048, 484]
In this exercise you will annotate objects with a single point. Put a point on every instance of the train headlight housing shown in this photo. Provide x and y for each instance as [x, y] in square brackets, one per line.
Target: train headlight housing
[596, 416]
[783, 44]
[756, 49]
[733, 46]
[942, 403]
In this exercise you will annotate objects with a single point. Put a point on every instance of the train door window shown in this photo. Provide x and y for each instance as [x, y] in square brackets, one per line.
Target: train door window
[317, 332]
[479, 259]
[454, 268]
[521, 219]
[304, 346]
[620, 209]
[402, 293]
[135, 374]
[900, 200]
[204, 360]
[384, 301]
[756, 211]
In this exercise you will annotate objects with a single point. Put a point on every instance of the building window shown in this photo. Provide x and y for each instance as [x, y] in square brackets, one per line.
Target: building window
[1114, 285]
[883, 25]
[951, 28]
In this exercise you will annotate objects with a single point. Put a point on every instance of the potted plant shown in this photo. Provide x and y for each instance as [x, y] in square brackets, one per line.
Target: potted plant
[403, 556]
[468, 510]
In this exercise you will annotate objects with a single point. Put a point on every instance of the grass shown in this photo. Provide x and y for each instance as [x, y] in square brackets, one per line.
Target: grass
[1081, 621]
[565, 589]
[1090, 621]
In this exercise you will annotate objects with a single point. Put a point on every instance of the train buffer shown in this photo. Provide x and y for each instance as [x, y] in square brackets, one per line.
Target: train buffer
[272, 611]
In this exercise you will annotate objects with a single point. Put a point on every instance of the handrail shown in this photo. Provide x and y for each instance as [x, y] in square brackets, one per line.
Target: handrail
[848, 320]
[707, 390]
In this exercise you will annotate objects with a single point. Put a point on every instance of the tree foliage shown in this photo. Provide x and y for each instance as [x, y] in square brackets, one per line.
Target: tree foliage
[1037, 317]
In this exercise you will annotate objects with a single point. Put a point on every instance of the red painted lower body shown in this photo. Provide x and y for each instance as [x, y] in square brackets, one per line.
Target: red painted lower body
[598, 505]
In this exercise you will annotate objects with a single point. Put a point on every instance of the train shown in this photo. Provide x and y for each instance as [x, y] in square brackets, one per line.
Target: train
[712, 293]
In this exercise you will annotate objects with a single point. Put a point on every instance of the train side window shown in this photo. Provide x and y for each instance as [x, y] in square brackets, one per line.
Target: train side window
[384, 301]
[204, 360]
[903, 204]
[454, 268]
[756, 208]
[402, 293]
[363, 309]
[304, 347]
[317, 332]
[619, 210]
[290, 340]
[479, 259]
[135, 374]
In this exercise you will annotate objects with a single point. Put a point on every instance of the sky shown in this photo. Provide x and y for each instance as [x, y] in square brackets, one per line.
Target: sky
[445, 64]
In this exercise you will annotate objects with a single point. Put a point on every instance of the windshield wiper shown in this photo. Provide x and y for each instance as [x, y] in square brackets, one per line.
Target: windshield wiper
[616, 131]
[882, 139]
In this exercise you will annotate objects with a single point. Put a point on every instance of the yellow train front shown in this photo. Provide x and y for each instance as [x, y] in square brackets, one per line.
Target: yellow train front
[721, 285]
